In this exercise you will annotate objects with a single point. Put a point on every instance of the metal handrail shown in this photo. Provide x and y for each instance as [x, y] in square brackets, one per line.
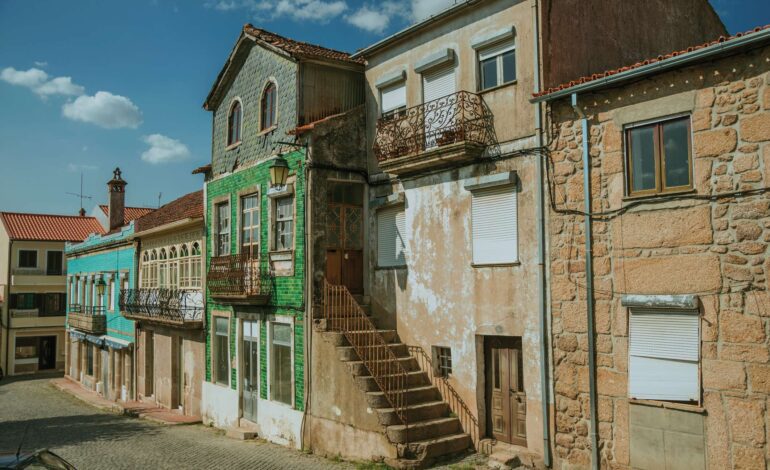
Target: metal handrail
[75, 308]
[175, 305]
[344, 315]
[239, 274]
[458, 406]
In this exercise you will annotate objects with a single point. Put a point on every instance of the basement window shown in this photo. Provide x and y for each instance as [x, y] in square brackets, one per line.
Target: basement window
[442, 361]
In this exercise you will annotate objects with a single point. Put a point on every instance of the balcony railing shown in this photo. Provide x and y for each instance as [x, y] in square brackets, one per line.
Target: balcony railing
[460, 124]
[170, 306]
[239, 279]
[90, 319]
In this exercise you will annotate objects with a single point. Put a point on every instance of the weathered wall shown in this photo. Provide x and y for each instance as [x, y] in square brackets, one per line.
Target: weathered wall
[715, 248]
[584, 37]
[327, 90]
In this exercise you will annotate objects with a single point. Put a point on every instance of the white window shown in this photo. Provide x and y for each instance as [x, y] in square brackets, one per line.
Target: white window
[393, 99]
[250, 225]
[495, 225]
[283, 223]
[222, 243]
[222, 350]
[391, 233]
[663, 358]
[111, 294]
[497, 64]
[280, 362]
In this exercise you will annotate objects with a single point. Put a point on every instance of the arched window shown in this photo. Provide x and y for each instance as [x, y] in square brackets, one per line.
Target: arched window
[183, 252]
[146, 257]
[153, 255]
[163, 253]
[196, 251]
[172, 253]
[268, 107]
[234, 123]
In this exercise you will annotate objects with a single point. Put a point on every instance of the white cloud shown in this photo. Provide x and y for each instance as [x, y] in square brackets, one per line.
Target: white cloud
[37, 81]
[369, 19]
[377, 17]
[164, 149]
[104, 110]
[319, 11]
[41, 64]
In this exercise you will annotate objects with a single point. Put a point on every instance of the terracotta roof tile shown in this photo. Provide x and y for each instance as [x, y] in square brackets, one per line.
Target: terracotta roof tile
[49, 227]
[202, 169]
[660, 58]
[299, 48]
[130, 213]
[189, 206]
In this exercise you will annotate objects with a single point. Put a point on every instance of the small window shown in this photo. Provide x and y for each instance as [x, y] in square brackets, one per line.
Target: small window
[391, 237]
[497, 65]
[494, 223]
[658, 157]
[26, 347]
[393, 101]
[442, 361]
[283, 228]
[54, 265]
[27, 258]
[222, 350]
[280, 363]
[268, 107]
[54, 305]
[234, 124]
[664, 353]
[223, 229]
[250, 225]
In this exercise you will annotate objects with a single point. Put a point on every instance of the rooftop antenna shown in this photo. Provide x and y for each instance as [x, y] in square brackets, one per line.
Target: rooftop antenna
[159, 195]
[81, 196]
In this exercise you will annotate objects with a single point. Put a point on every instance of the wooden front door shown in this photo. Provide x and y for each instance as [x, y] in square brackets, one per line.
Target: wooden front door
[506, 400]
[345, 237]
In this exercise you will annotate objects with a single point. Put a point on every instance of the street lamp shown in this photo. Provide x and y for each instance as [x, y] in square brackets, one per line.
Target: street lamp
[100, 286]
[279, 172]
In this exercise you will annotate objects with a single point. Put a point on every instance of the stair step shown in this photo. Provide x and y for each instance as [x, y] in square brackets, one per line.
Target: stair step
[358, 368]
[423, 430]
[414, 396]
[413, 379]
[338, 338]
[414, 413]
[426, 450]
[347, 353]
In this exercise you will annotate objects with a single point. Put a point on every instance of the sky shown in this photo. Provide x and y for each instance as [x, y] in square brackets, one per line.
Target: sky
[86, 86]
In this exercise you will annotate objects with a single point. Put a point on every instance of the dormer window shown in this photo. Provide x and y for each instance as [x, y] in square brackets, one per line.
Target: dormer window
[234, 124]
[267, 119]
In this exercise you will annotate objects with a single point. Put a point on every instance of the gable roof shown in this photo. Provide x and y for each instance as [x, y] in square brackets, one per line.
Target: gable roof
[189, 206]
[129, 214]
[290, 47]
[656, 64]
[49, 227]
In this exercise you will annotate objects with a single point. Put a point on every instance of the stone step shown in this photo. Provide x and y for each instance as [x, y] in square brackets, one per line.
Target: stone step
[418, 412]
[242, 434]
[414, 396]
[347, 353]
[357, 367]
[339, 339]
[423, 452]
[413, 379]
[424, 430]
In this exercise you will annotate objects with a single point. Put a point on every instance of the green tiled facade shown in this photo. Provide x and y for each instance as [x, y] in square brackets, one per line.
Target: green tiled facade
[287, 298]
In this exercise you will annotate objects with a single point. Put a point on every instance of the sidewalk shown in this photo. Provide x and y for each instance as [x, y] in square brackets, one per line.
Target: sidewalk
[130, 408]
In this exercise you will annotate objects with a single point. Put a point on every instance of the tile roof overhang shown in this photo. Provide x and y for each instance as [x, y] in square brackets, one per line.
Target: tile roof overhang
[719, 47]
[49, 227]
[129, 213]
[186, 208]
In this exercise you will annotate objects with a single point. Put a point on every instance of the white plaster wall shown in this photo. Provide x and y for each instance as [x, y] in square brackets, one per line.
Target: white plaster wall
[279, 424]
[220, 406]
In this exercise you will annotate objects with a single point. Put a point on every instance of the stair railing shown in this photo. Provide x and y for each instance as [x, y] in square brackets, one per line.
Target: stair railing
[467, 419]
[343, 314]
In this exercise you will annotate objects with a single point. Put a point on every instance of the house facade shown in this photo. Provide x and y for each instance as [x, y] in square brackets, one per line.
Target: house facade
[660, 297]
[33, 272]
[256, 214]
[100, 340]
[167, 305]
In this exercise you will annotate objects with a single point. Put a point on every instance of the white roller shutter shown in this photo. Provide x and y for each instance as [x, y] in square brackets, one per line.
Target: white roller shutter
[496, 50]
[391, 242]
[494, 220]
[393, 97]
[438, 83]
[663, 353]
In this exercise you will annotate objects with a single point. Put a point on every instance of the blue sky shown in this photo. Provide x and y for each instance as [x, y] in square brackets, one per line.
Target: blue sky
[86, 86]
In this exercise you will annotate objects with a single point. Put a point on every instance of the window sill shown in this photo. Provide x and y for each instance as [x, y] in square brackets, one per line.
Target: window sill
[495, 88]
[642, 197]
[669, 405]
[496, 265]
[282, 404]
[232, 146]
[389, 268]
[218, 384]
[268, 130]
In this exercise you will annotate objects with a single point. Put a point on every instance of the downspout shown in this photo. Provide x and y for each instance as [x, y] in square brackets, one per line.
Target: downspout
[309, 268]
[7, 308]
[589, 287]
[541, 277]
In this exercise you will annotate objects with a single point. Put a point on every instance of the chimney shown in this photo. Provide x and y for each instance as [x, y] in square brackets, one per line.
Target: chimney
[116, 188]
[82, 212]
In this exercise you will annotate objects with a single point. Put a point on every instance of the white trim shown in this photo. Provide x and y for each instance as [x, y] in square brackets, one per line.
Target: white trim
[230, 146]
[283, 320]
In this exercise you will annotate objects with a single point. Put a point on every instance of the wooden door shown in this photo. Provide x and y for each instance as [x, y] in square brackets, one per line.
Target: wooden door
[345, 237]
[506, 400]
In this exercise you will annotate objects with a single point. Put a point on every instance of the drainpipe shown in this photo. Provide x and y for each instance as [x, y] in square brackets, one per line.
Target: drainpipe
[541, 277]
[589, 287]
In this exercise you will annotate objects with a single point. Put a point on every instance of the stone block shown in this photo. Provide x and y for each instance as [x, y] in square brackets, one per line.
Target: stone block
[743, 163]
[612, 138]
[665, 228]
[669, 274]
[717, 439]
[745, 353]
[755, 128]
[716, 142]
[746, 419]
[747, 458]
[574, 318]
[611, 383]
[747, 230]
[705, 98]
[723, 375]
[701, 119]
[759, 377]
[738, 328]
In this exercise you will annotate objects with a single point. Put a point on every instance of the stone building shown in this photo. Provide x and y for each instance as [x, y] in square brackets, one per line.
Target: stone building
[100, 340]
[660, 302]
[167, 305]
[258, 191]
[33, 283]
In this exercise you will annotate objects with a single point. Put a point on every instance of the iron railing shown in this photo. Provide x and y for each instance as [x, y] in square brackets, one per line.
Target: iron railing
[344, 315]
[94, 310]
[239, 275]
[458, 406]
[175, 306]
[91, 319]
[460, 117]
[75, 308]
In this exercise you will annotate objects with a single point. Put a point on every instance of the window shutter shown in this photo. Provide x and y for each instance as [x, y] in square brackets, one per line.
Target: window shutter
[497, 49]
[438, 83]
[391, 231]
[393, 97]
[663, 355]
[495, 225]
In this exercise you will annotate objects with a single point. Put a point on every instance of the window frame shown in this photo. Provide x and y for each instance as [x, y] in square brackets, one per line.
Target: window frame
[219, 231]
[27, 250]
[658, 156]
[274, 222]
[272, 87]
[441, 356]
[397, 112]
[48, 271]
[391, 207]
[499, 67]
[216, 336]
[478, 193]
[271, 369]
[229, 142]
[256, 210]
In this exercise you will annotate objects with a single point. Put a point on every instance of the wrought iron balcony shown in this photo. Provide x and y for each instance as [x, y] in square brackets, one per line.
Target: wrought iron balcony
[88, 319]
[239, 279]
[168, 306]
[439, 133]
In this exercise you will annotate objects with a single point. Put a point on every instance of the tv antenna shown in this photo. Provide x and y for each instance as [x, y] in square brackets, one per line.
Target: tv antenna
[159, 195]
[81, 195]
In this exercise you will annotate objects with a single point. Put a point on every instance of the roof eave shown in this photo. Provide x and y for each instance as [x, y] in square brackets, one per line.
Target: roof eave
[175, 225]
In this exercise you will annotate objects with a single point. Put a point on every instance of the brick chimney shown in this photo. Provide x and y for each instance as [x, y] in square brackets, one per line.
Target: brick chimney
[116, 188]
